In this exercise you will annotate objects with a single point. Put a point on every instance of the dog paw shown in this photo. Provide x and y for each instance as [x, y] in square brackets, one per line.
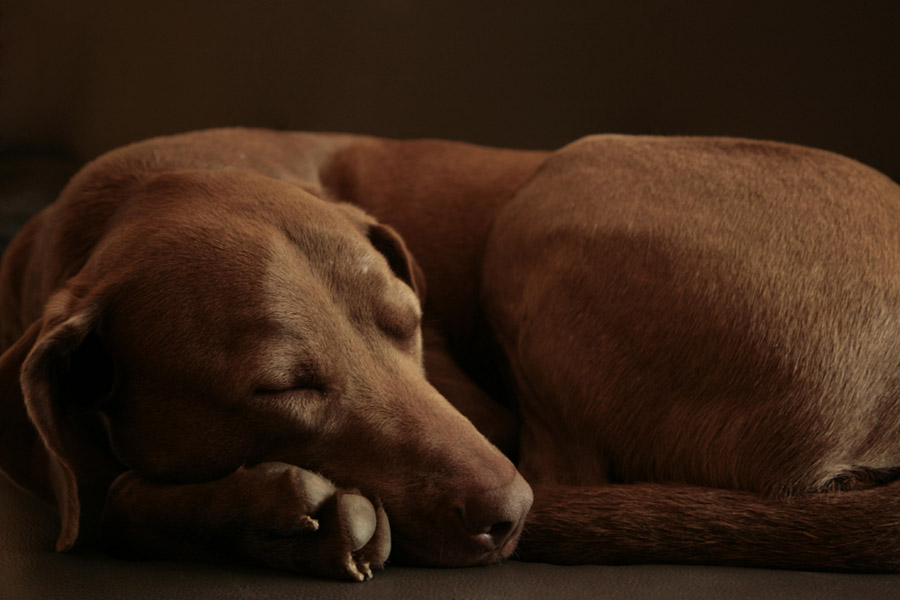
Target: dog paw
[302, 522]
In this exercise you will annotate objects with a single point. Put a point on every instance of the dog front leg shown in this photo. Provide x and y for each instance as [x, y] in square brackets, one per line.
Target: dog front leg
[273, 514]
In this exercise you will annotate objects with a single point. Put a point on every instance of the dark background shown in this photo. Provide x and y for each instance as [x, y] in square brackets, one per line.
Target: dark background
[78, 77]
[85, 76]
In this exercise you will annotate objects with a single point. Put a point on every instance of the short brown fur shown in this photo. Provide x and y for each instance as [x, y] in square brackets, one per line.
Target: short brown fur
[242, 344]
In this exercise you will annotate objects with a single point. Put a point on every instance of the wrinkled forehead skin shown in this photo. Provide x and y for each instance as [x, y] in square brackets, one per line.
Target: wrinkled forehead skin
[242, 284]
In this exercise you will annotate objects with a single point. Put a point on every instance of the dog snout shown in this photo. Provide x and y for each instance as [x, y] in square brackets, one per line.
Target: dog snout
[494, 518]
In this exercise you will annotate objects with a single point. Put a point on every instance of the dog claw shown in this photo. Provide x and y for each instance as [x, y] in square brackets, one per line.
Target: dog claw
[352, 569]
[337, 533]
[366, 570]
[360, 571]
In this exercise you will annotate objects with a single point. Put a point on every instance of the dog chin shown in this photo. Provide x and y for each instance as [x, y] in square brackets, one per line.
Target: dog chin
[426, 552]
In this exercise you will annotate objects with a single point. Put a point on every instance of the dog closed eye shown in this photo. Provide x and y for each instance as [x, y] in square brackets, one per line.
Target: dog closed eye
[295, 389]
[307, 382]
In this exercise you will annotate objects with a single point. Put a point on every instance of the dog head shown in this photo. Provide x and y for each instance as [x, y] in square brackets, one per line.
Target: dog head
[226, 319]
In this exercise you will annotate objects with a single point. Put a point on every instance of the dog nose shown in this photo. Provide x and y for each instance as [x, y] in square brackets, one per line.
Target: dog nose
[494, 517]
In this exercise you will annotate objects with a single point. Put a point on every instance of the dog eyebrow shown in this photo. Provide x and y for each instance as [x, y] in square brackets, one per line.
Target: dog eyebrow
[397, 322]
[395, 312]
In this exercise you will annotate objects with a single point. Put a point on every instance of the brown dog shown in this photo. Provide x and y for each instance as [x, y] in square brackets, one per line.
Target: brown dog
[211, 350]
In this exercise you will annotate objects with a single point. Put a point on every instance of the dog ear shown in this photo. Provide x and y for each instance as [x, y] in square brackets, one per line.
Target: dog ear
[53, 372]
[387, 241]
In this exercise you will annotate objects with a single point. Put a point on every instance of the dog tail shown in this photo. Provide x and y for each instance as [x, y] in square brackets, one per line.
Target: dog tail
[856, 530]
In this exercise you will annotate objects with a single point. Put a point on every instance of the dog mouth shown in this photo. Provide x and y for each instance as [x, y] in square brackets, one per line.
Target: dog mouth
[426, 550]
[461, 529]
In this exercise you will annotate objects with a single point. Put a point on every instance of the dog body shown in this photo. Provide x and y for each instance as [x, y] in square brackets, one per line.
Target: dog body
[212, 345]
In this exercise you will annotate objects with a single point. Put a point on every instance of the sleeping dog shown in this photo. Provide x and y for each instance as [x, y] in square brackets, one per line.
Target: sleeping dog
[317, 351]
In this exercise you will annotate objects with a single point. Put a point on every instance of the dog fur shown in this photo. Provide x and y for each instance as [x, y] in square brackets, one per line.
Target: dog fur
[304, 351]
